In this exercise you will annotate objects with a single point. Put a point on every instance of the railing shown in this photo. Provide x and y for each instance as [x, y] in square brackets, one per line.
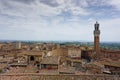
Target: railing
[36, 76]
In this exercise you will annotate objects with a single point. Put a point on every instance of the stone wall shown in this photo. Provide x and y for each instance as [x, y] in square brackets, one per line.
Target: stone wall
[114, 55]
[57, 77]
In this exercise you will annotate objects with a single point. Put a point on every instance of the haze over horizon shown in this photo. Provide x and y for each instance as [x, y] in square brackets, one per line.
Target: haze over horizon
[59, 19]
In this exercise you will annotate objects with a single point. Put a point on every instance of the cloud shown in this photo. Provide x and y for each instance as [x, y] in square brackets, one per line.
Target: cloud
[27, 10]
[35, 8]
[58, 19]
[114, 3]
[110, 29]
[40, 7]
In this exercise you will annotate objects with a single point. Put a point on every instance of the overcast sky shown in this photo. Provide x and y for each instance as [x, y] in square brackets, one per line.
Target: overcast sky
[59, 19]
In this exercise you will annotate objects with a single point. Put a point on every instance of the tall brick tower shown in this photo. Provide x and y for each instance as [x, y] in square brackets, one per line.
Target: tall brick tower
[96, 38]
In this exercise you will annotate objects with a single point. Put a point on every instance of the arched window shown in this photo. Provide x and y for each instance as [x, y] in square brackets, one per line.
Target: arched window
[32, 58]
